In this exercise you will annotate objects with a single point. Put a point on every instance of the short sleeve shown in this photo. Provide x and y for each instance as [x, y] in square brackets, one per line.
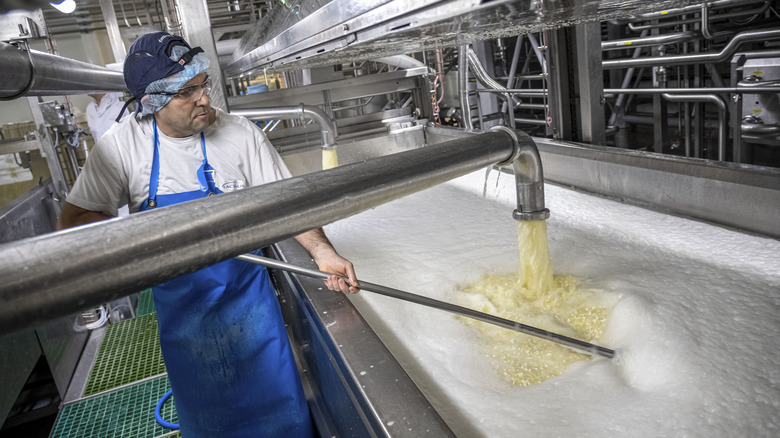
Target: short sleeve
[102, 183]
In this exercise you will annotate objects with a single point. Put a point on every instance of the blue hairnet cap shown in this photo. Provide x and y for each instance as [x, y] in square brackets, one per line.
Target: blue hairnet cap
[149, 60]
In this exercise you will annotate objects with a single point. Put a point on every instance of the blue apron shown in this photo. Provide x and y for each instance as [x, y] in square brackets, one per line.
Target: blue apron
[224, 343]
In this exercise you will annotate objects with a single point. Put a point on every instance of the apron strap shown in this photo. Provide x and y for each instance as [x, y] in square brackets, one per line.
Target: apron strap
[151, 202]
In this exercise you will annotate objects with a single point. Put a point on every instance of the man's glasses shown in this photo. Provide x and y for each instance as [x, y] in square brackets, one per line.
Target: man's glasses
[192, 93]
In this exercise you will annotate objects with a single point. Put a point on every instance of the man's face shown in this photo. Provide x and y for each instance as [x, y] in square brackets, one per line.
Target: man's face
[183, 115]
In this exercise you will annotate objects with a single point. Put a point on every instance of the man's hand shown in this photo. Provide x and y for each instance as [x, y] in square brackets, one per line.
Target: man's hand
[321, 250]
[342, 267]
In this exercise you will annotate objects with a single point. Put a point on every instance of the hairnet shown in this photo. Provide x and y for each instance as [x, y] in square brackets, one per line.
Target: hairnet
[154, 102]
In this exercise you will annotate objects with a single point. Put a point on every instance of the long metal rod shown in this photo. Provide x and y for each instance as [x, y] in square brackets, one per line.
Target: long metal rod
[441, 305]
[58, 274]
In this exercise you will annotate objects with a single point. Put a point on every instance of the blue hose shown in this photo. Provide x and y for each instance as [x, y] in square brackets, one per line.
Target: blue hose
[158, 416]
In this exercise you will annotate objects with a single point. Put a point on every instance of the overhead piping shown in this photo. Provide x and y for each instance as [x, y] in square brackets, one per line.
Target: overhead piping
[34, 73]
[328, 128]
[709, 98]
[725, 53]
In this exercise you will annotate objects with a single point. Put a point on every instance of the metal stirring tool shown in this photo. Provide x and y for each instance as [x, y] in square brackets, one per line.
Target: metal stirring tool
[576, 344]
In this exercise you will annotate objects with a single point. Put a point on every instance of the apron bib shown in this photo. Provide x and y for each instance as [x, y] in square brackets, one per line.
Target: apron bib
[224, 343]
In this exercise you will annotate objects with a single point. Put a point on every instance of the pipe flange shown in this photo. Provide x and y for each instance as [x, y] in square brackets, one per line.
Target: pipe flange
[515, 138]
[539, 215]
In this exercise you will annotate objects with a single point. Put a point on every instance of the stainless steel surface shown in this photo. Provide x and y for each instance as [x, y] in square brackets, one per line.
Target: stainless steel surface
[31, 214]
[736, 195]
[335, 91]
[20, 353]
[89, 265]
[356, 388]
[47, 149]
[327, 127]
[62, 342]
[576, 344]
[21, 25]
[36, 73]
[84, 367]
[344, 30]
[590, 79]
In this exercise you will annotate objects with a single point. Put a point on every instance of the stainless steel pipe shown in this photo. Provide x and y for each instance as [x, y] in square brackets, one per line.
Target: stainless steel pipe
[463, 86]
[58, 274]
[645, 41]
[33, 73]
[709, 98]
[725, 53]
[328, 128]
[529, 177]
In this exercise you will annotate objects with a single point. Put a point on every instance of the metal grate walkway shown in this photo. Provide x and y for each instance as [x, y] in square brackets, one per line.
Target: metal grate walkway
[125, 382]
[123, 412]
[130, 352]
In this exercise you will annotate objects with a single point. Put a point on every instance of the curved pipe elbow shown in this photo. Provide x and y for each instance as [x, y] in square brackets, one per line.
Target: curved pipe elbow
[529, 177]
[327, 127]
[329, 132]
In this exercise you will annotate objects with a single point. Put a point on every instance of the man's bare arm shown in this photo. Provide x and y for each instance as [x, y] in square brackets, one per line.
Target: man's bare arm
[73, 216]
[321, 250]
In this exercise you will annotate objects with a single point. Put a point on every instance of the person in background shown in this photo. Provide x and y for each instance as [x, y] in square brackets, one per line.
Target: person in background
[223, 340]
[102, 111]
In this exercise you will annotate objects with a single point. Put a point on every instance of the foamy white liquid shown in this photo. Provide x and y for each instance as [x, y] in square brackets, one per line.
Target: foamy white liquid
[695, 321]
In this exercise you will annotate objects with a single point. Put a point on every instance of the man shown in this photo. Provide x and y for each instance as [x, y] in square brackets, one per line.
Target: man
[222, 336]
[102, 111]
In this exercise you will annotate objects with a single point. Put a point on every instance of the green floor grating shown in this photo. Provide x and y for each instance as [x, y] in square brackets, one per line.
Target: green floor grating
[130, 352]
[126, 412]
[145, 303]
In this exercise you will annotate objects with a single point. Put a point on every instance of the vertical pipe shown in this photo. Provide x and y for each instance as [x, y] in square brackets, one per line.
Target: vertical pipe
[196, 29]
[626, 82]
[510, 82]
[463, 85]
[709, 98]
[112, 27]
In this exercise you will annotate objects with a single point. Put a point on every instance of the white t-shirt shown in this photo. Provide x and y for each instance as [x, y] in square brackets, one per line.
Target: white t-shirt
[117, 171]
[101, 117]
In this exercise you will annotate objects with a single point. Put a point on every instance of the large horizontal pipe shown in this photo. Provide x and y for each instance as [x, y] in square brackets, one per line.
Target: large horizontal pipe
[725, 53]
[58, 274]
[36, 73]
